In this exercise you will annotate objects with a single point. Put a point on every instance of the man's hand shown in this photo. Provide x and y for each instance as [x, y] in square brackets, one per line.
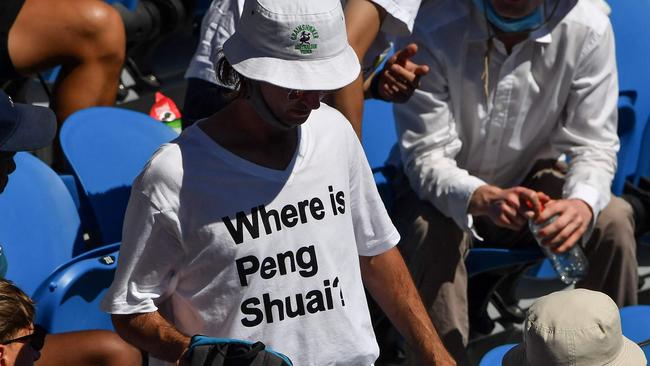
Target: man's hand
[509, 208]
[400, 76]
[574, 217]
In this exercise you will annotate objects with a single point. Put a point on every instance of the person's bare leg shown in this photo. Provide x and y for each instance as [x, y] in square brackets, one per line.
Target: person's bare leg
[88, 348]
[86, 37]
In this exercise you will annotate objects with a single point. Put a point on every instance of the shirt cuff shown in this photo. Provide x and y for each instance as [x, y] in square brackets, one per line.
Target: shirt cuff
[377, 247]
[460, 205]
[587, 193]
[592, 198]
[398, 21]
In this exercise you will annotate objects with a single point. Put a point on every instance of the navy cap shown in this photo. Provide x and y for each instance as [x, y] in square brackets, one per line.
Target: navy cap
[24, 127]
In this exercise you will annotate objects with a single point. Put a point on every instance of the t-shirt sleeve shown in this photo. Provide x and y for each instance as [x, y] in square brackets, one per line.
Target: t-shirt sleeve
[149, 261]
[400, 16]
[374, 231]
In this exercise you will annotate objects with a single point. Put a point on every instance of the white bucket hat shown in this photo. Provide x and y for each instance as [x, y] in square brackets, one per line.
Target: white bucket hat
[295, 44]
[574, 328]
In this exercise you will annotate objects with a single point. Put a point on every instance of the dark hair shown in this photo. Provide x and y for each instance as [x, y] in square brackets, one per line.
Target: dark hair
[230, 78]
[16, 310]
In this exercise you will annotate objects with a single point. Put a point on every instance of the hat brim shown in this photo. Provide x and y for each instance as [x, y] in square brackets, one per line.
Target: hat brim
[36, 128]
[301, 74]
[631, 355]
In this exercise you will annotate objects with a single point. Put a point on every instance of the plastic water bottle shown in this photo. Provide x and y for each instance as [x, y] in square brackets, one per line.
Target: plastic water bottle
[571, 265]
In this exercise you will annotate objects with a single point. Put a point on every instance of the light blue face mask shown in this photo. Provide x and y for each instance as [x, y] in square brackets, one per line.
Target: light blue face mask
[530, 21]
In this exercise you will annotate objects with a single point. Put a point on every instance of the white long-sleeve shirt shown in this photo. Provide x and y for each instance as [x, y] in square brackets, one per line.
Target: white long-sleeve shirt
[555, 93]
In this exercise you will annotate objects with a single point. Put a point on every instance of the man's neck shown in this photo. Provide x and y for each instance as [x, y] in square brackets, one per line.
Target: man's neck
[510, 40]
[240, 130]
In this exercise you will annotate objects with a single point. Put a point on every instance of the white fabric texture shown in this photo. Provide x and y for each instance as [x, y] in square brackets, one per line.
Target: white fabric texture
[293, 44]
[196, 245]
[220, 21]
[555, 93]
[217, 26]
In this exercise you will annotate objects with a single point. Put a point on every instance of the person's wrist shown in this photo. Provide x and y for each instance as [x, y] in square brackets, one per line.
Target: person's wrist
[374, 87]
[480, 199]
[186, 355]
[585, 209]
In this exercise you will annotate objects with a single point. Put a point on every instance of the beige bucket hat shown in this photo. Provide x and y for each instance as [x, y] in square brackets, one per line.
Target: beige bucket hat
[574, 328]
[293, 44]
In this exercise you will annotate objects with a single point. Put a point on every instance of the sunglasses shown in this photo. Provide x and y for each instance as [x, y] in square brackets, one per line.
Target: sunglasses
[295, 94]
[35, 339]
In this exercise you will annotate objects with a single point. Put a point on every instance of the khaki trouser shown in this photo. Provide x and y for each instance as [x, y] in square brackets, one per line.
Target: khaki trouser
[434, 248]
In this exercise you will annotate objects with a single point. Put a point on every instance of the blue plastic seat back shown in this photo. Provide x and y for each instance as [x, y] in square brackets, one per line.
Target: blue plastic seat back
[378, 138]
[495, 355]
[129, 4]
[480, 260]
[378, 131]
[68, 299]
[107, 148]
[630, 132]
[39, 226]
[643, 170]
[646, 350]
[635, 321]
[632, 36]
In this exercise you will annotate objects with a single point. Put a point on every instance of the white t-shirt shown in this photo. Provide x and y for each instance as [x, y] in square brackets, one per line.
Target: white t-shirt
[227, 248]
[220, 21]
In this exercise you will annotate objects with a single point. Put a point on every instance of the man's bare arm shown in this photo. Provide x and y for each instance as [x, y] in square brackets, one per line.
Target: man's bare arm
[152, 333]
[389, 282]
[362, 21]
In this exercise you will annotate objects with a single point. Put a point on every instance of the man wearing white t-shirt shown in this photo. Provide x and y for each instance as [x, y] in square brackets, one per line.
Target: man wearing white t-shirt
[263, 222]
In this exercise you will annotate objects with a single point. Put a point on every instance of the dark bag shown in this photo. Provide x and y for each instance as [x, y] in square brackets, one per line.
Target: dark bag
[209, 351]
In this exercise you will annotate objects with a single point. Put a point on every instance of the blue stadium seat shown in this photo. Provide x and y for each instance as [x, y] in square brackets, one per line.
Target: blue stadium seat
[629, 21]
[643, 170]
[40, 227]
[631, 123]
[129, 4]
[107, 148]
[68, 299]
[378, 138]
[635, 321]
[646, 349]
[495, 355]
[481, 260]
[378, 131]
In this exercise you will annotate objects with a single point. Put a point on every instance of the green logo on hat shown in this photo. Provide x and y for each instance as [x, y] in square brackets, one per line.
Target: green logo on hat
[305, 34]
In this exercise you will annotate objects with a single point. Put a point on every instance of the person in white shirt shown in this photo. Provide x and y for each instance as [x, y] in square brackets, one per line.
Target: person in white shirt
[263, 222]
[371, 25]
[513, 87]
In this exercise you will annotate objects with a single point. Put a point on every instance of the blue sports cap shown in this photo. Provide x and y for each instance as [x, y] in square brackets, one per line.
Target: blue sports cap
[24, 127]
